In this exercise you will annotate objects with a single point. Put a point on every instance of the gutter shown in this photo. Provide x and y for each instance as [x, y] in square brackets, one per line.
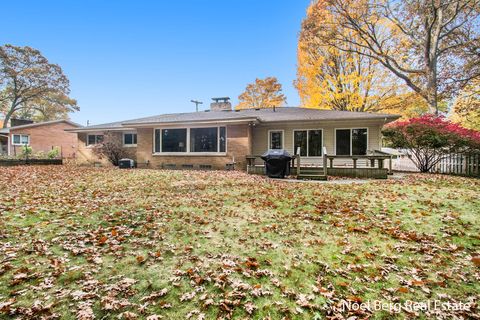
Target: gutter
[379, 119]
[87, 129]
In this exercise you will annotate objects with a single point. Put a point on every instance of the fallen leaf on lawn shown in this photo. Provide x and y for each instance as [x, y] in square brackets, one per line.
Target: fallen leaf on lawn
[476, 260]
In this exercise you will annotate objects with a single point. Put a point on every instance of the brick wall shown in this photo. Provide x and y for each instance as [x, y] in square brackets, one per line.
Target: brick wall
[45, 137]
[238, 146]
[85, 153]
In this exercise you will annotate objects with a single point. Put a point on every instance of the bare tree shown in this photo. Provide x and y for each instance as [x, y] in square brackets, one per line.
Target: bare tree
[433, 46]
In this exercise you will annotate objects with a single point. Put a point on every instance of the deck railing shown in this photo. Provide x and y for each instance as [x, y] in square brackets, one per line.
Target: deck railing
[373, 165]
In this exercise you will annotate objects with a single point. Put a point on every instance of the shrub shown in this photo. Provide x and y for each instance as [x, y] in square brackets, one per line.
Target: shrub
[54, 153]
[431, 138]
[26, 151]
[112, 149]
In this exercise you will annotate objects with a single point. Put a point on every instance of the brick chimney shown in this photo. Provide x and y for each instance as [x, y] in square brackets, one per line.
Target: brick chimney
[221, 104]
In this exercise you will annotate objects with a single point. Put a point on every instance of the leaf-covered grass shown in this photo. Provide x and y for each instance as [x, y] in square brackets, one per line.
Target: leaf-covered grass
[83, 243]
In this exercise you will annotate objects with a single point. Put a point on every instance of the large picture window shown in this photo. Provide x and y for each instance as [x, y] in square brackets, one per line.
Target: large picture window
[351, 142]
[204, 140]
[309, 142]
[191, 140]
[174, 140]
[275, 138]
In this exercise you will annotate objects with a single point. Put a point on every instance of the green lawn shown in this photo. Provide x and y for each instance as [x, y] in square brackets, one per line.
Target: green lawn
[84, 243]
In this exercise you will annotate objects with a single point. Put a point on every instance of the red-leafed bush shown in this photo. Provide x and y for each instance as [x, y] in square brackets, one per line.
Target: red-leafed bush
[430, 138]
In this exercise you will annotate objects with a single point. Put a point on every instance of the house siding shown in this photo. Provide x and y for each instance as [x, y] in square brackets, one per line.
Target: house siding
[239, 144]
[260, 135]
[44, 138]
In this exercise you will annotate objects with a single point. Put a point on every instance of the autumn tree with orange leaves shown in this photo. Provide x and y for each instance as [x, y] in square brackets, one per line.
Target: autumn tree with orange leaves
[433, 47]
[466, 107]
[330, 78]
[263, 93]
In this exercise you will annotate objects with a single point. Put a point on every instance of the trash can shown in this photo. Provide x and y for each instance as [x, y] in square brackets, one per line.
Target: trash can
[126, 163]
[277, 163]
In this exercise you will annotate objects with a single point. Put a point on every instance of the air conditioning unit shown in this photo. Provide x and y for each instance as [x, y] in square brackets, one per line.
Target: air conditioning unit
[126, 164]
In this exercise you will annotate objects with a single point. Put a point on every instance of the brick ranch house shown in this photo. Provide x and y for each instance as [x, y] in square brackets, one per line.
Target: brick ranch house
[41, 137]
[220, 136]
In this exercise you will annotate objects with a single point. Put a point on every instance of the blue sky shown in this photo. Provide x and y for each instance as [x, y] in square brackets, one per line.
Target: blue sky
[128, 59]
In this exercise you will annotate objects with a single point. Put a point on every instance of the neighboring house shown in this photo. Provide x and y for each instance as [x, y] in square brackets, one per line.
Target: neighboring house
[41, 137]
[220, 136]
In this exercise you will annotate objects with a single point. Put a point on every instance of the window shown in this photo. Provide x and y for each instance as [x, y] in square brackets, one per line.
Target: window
[223, 139]
[174, 140]
[276, 139]
[21, 139]
[342, 138]
[309, 142]
[351, 142]
[300, 141]
[94, 139]
[191, 140]
[314, 143]
[129, 139]
[204, 140]
[359, 141]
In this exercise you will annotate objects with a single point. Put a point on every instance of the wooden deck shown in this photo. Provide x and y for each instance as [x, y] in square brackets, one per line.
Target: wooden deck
[370, 166]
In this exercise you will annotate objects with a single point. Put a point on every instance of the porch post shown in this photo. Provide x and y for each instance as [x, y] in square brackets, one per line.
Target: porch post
[298, 164]
[325, 171]
[380, 163]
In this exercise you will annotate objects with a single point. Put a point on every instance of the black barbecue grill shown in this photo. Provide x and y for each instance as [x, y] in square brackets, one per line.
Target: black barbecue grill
[277, 163]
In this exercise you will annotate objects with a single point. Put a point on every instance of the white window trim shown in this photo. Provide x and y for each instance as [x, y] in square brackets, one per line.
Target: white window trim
[188, 152]
[308, 137]
[93, 134]
[21, 135]
[132, 145]
[270, 137]
[351, 149]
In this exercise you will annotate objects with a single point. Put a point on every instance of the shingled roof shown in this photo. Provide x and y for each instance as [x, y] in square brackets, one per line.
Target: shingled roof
[261, 115]
[282, 114]
[38, 124]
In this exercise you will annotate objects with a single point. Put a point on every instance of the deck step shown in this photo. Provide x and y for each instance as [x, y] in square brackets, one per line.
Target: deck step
[310, 176]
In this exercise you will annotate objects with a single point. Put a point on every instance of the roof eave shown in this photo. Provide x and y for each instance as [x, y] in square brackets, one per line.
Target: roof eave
[87, 129]
[391, 118]
[170, 123]
[46, 123]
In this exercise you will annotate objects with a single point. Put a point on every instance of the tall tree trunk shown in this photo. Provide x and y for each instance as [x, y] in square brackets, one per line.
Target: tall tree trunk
[8, 115]
[432, 88]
